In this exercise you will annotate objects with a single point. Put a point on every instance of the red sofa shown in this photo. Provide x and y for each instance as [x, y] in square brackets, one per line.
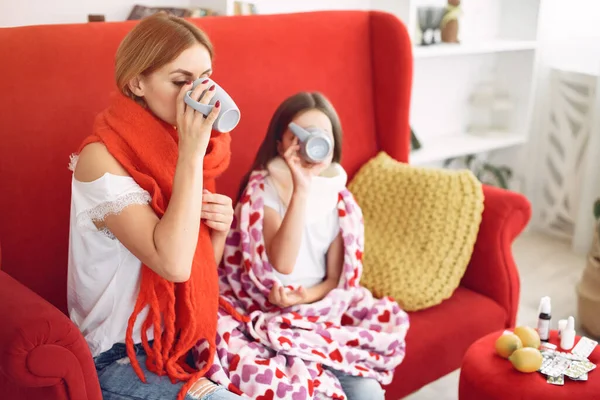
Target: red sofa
[55, 79]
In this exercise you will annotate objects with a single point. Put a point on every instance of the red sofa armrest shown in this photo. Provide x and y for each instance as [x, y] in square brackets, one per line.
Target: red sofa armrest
[492, 270]
[40, 346]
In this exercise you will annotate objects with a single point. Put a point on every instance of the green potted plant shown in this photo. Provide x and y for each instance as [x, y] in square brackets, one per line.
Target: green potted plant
[487, 173]
[597, 214]
[588, 289]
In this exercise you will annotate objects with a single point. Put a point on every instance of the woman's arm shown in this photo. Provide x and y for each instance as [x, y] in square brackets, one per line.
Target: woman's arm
[217, 214]
[283, 237]
[165, 245]
[218, 243]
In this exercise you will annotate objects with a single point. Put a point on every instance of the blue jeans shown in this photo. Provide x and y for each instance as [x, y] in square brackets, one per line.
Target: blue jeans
[118, 381]
[359, 388]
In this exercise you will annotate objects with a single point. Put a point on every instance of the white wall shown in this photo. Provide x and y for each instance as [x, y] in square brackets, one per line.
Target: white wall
[570, 35]
[33, 12]
[569, 39]
[282, 6]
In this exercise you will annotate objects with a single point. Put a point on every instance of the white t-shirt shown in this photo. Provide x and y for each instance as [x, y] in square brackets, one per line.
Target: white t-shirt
[103, 276]
[311, 267]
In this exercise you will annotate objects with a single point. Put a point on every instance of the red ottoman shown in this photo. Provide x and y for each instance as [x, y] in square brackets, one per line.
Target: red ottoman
[486, 376]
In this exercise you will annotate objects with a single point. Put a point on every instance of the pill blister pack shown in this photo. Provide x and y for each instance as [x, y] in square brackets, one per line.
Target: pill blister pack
[557, 365]
[584, 347]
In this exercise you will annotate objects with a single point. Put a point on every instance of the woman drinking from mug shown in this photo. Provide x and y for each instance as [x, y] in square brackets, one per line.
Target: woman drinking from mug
[147, 228]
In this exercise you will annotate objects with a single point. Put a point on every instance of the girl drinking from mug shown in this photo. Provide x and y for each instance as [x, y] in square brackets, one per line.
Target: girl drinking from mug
[293, 264]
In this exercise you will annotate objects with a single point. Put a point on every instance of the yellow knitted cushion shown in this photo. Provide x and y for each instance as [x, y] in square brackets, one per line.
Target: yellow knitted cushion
[420, 228]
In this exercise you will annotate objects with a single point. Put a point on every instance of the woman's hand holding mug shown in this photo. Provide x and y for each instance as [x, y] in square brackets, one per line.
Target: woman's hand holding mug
[193, 128]
[229, 113]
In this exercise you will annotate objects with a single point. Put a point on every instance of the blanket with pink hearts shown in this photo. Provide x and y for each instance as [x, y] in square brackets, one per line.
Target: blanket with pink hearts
[288, 353]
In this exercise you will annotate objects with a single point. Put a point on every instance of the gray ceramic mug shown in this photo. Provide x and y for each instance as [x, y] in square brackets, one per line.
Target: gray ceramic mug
[229, 116]
[315, 144]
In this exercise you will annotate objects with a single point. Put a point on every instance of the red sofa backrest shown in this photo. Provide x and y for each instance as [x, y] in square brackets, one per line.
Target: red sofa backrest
[55, 79]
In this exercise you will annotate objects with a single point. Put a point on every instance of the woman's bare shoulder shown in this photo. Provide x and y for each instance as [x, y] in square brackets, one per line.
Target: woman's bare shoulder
[95, 161]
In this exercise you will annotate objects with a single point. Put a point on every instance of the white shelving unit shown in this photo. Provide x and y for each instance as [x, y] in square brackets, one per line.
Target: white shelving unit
[498, 42]
[473, 48]
[450, 146]
[498, 37]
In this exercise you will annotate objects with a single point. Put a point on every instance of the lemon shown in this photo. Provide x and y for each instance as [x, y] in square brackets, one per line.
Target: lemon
[507, 344]
[529, 336]
[526, 359]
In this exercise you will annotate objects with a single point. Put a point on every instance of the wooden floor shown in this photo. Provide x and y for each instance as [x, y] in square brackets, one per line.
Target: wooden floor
[547, 268]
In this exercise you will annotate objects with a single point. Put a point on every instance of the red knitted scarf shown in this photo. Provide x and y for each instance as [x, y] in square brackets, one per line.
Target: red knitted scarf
[180, 313]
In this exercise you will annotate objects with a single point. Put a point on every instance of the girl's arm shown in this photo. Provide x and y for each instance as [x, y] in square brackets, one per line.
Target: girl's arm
[335, 263]
[283, 237]
[282, 297]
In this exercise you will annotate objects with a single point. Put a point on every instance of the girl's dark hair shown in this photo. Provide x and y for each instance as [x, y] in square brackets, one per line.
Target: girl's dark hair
[284, 114]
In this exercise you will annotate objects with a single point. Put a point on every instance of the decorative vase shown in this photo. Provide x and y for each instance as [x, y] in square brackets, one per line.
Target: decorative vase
[429, 19]
[491, 107]
[449, 24]
[481, 104]
[588, 291]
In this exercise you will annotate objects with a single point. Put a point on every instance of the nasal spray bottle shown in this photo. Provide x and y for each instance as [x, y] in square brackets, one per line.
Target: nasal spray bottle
[545, 316]
[567, 339]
